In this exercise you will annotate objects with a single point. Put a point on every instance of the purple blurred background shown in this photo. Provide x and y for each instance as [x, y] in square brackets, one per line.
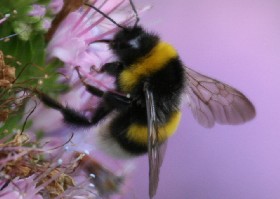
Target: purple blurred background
[237, 42]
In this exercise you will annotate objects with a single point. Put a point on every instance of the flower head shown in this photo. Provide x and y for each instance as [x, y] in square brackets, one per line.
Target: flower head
[37, 11]
[4, 18]
[36, 172]
[46, 168]
[21, 188]
[73, 44]
[55, 6]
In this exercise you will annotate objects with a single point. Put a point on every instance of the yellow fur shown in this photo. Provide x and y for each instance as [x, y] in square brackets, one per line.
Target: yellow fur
[154, 61]
[139, 133]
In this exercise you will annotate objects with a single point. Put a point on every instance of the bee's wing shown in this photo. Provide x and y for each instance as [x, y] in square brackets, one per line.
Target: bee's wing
[155, 150]
[213, 101]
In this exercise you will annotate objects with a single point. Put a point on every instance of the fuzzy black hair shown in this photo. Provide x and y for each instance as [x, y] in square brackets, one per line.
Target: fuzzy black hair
[126, 53]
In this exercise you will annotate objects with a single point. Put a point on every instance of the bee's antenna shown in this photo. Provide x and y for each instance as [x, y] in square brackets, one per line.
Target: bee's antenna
[104, 15]
[135, 12]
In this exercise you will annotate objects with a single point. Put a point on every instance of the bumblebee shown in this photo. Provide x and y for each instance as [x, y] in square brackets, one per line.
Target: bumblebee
[151, 82]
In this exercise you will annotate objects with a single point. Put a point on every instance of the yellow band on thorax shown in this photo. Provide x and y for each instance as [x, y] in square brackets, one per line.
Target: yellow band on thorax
[154, 61]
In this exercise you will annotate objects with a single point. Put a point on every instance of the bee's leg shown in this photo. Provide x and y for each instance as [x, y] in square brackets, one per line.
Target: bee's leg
[91, 89]
[70, 115]
[112, 68]
[5, 185]
[110, 101]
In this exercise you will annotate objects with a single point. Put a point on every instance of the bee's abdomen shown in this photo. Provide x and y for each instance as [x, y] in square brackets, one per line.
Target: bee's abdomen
[133, 137]
[138, 132]
[118, 130]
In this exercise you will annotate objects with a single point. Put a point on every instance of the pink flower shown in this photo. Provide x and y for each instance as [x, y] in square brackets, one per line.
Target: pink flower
[37, 10]
[46, 23]
[72, 41]
[21, 189]
[4, 18]
[55, 6]
[23, 175]
[72, 44]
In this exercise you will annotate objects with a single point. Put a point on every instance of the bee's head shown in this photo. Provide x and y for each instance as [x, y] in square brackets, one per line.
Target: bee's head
[132, 43]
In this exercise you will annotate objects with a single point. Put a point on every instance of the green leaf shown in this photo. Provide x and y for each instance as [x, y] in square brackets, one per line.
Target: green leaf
[27, 48]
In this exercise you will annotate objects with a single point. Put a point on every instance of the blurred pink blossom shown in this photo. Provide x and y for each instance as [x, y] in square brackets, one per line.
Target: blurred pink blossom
[37, 10]
[46, 23]
[4, 18]
[21, 189]
[55, 6]
[72, 44]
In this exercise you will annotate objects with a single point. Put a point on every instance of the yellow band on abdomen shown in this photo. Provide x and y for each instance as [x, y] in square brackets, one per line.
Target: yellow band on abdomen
[139, 133]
